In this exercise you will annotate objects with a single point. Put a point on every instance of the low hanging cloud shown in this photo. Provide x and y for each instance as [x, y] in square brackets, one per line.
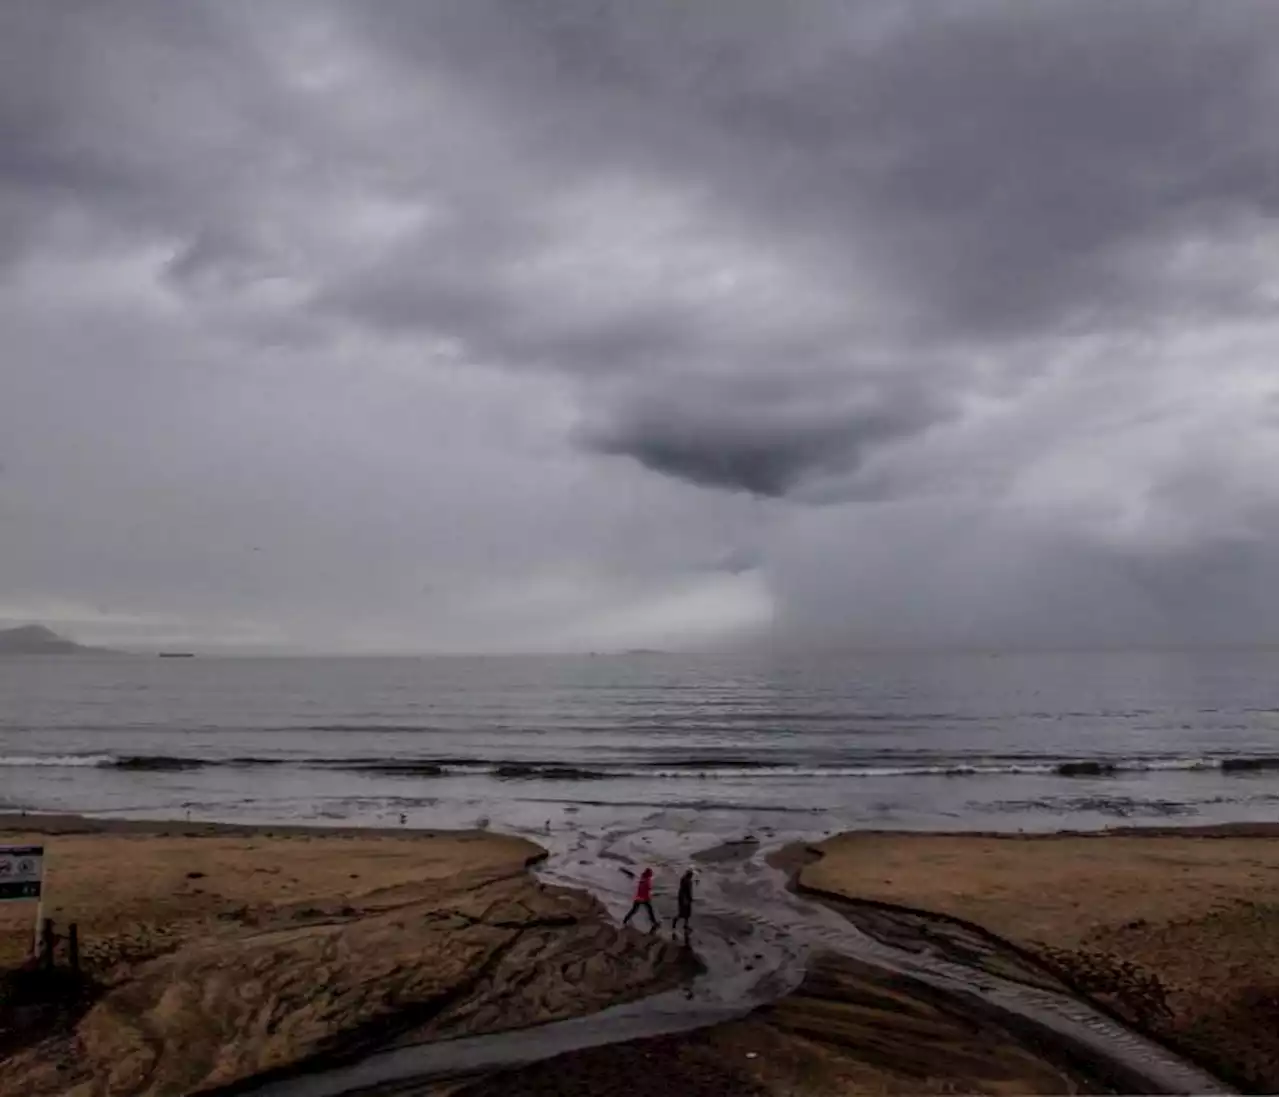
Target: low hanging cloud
[388, 298]
[764, 447]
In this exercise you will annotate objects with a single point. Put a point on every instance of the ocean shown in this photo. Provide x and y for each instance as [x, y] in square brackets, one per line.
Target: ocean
[725, 745]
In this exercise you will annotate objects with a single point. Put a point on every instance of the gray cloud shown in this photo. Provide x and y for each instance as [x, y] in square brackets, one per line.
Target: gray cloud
[767, 447]
[992, 161]
[387, 290]
[994, 171]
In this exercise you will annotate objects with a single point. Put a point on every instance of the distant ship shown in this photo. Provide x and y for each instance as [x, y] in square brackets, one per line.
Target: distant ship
[177, 655]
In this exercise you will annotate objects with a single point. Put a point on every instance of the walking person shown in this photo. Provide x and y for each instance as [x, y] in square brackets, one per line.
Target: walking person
[684, 903]
[644, 898]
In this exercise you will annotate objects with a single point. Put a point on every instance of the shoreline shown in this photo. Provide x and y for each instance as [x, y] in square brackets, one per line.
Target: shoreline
[61, 823]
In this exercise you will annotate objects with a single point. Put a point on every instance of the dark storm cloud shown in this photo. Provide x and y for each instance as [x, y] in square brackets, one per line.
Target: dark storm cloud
[991, 159]
[587, 294]
[1009, 154]
[758, 457]
[973, 171]
[765, 448]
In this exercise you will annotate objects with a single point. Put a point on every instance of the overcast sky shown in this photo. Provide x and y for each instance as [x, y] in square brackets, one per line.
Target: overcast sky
[558, 325]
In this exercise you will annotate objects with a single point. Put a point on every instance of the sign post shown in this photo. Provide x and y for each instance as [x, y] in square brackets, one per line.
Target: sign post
[22, 877]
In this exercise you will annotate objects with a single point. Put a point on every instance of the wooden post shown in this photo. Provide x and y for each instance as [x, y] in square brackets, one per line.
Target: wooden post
[40, 891]
[73, 947]
[47, 942]
[36, 936]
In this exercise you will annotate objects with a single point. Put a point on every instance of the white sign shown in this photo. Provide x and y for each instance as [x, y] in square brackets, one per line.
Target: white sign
[21, 872]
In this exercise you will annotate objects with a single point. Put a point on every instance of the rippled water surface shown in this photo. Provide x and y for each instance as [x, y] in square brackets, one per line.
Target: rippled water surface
[1008, 740]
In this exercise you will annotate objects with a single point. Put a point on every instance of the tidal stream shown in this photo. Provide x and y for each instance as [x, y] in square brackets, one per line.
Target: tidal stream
[754, 937]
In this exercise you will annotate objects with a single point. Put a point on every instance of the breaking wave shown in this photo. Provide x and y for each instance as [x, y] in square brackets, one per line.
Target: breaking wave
[679, 768]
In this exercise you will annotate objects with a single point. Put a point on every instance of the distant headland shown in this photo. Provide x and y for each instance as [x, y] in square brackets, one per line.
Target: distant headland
[38, 640]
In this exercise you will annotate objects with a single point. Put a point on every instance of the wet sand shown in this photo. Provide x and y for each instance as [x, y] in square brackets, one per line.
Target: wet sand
[798, 1000]
[848, 1029]
[854, 1027]
[1175, 930]
[219, 953]
[324, 946]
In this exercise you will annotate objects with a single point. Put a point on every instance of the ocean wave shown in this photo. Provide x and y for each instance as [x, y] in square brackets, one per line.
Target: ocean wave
[387, 767]
[509, 770]
[43, 760]
[1235, 765]
[1121, 807]
[689, 768]
[390, 729]
[158, 762]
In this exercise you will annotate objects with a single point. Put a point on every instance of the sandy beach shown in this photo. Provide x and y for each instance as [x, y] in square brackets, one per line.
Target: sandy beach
[222, 953]
[1174, 929]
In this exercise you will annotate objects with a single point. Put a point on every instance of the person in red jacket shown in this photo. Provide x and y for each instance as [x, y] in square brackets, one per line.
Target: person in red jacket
[644, 898]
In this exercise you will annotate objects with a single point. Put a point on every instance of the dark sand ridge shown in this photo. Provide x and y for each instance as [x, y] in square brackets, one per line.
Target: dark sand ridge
[755, 938]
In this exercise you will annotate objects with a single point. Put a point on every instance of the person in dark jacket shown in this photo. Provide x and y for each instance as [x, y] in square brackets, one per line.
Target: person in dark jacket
[644, 898]
[684, 903]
